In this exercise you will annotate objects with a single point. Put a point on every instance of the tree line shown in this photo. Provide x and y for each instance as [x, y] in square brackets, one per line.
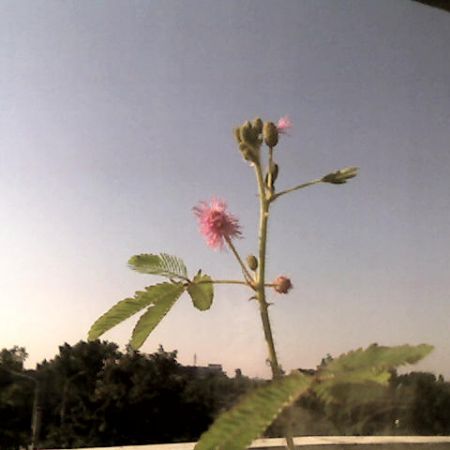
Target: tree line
[91, 395]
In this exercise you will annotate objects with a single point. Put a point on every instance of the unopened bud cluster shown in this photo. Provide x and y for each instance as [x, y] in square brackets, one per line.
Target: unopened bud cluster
[251, 135]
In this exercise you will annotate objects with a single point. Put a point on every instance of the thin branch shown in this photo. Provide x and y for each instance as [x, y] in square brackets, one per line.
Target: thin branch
[296, 188]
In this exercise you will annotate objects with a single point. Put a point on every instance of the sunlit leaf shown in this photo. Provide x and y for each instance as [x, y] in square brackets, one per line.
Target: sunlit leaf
[128, 307]
[162, 264]
[238, 427]
[201, 291]
[160, 306]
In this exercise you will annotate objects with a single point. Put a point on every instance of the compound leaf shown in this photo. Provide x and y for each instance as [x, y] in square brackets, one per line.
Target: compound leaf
[238, 427]
[162, 264]
[366, 366]
[126, 308]
[161, 304]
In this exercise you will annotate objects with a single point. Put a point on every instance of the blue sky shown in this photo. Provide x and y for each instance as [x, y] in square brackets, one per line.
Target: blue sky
[116, 119]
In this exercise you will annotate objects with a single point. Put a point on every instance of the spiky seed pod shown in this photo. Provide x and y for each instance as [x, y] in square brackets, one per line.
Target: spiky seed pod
[270, 134]
[252, 262]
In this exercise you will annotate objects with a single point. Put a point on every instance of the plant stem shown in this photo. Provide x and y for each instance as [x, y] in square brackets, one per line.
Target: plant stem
[245, 271]
[295, 188]
[230, 282]
[260, 286]
[261, 274]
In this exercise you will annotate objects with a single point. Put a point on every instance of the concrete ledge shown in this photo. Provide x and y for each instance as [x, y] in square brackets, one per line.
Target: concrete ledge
[394, 442]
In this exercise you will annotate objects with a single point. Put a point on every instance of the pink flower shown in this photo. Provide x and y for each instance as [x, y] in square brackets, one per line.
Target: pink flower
[282, 284]
[284, 124]
[216, 223]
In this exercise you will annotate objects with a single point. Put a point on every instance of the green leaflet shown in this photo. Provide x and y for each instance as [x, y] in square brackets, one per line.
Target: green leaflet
[126, 308]
[161, 305]
[201, 291]
[378, 357]
[162, 264]
[238, 427]
[370, 366]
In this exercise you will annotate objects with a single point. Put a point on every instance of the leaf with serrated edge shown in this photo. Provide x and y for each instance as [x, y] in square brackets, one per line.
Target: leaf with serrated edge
[238, 427]
[162, 264]
[201, 291]
[160, 307]
[125, 309]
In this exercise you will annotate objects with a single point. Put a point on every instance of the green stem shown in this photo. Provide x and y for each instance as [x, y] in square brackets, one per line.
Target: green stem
[260, 285]
[245, 271]
[295, 188]
[261, 274]
[230, 282]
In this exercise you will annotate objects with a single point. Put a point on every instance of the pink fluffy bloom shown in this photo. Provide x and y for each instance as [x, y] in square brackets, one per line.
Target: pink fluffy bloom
[282, 284]
[284, 125]
[216, 223]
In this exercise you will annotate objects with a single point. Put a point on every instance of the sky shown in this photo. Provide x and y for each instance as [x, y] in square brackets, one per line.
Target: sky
[116, 119]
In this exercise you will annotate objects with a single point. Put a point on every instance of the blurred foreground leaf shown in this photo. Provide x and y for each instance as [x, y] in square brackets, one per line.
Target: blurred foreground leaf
[238, 427]
[370, 366]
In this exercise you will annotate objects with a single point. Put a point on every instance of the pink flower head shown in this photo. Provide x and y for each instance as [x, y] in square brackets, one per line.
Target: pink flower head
[284, 125]
[282, 284]
[216, 223]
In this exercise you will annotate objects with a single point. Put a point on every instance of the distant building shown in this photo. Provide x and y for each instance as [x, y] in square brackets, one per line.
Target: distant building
[204, 371]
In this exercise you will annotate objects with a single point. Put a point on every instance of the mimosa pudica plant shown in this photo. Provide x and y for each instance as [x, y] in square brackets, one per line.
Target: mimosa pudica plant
[235, 429]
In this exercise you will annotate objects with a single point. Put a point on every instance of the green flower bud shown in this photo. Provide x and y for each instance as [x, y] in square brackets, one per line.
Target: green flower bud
[252, 262]
[257, 125]
[272, 175]
[249, 153]
[270, 134]
[247, 134]
[340, 176]
[237, 135]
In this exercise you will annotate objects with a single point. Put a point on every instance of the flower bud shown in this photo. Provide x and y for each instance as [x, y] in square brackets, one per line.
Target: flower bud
[270, 134]
[340, 176]
[237, 135]
[257, 125]
[282, 284]
[249, 153]
[249, 134]
[252, 262]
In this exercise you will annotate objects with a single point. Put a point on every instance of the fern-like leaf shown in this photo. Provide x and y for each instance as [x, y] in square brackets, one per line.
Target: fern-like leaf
[238, 427]
[128, 307]
[162, 264]
[160, 307]
[370, 366]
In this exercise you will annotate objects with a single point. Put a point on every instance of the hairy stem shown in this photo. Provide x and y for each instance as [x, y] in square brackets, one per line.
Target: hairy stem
[264, 203]
[261, 274]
